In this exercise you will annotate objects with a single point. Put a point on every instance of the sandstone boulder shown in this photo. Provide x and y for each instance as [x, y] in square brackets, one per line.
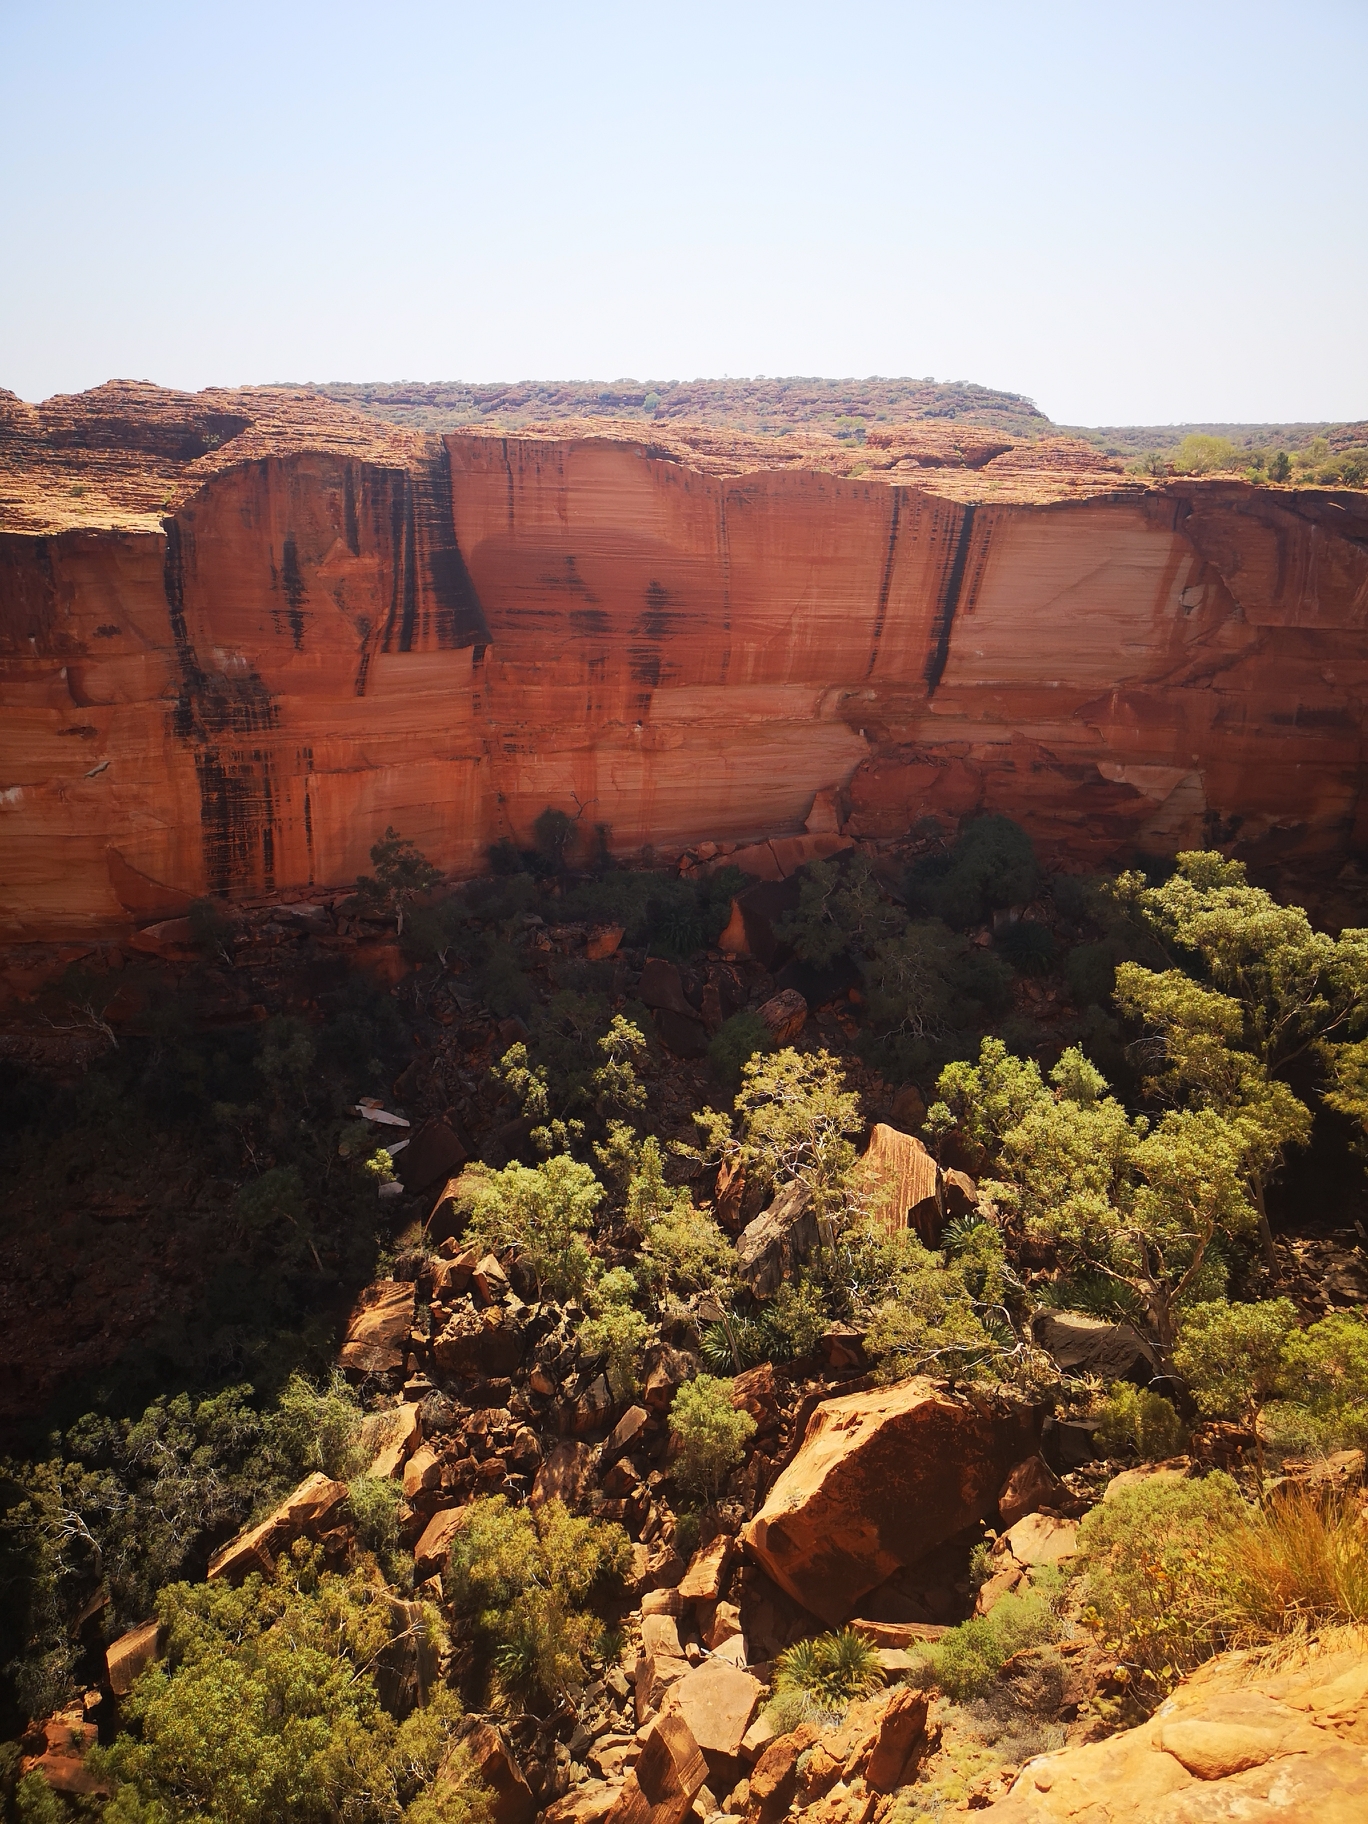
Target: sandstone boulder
[774, 1246]
[717, 1701]
[774, 1778]
[391, 1436]
[567, 1475]
[880, 1479]
[477, 1345]
[131, 1654]
[661, 1663]
[1080, 1344]
[682, 1034]
[60, 1762]
[378, 1328]
[1032, 1484]
[434, 1547]
[305, 1513]
[899, 1177]
[435, 1152]
[669, 1772]
[707, 1571]
[784, 1015]
[1233, 1742]
[590, 1803]
[661, 988]
[497, 1766]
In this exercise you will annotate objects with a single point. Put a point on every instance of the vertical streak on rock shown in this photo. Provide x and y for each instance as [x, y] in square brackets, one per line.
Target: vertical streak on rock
[350, 520]
[409, 613]
[398, 491]
[881, 613]
[724, 541]
[941, 626]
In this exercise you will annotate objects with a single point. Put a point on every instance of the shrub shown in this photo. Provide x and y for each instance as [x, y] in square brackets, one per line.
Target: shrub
[711, 1433]
[834, 1669]
[546, 1212]
[926, 988]
[1328, 1365]
[1297, 1561]
[966, 1661]
[1136, 1422]
[617, 1332]
[374, 1502]
[734, 1044]
[524, 1579]
[991, 864]
[1028, 946]
[841, 908]
[1201, 453]
[402, 874]
[1231, 1356]
[266, 1708]
[317, 1428]
[1151, 1555]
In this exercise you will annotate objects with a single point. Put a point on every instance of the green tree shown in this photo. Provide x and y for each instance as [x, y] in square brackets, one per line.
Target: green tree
[795, 1119]
[402, 874]
[710, 1433]
[546, 1212]
[841, 908]
[266, 1708]
[1327, 1368]
[1201, 453]
[1269, 990]
[525, 1580]
[1138, 1204]
[990, 864]
[1232, 1358]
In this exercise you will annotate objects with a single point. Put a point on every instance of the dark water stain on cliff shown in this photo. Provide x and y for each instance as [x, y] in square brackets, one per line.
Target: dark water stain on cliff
[881, 610]
[433, 603]
[943, 622]
[211, 708]
[295, 592]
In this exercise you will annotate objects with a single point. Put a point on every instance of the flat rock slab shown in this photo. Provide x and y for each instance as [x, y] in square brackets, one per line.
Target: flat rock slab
[378, 1328]
[881, 1479]
[718, 1702]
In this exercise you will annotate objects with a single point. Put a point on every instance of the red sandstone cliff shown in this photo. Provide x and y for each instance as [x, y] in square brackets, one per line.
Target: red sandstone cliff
[241, 632]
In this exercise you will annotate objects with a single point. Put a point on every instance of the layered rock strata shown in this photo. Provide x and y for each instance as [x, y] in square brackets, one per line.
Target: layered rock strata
[240, 633]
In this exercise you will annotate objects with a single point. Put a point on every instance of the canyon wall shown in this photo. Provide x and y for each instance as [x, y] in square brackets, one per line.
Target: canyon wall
[228, 661]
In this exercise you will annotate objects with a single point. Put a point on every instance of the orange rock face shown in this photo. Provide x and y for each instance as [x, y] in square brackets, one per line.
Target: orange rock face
[242, 632]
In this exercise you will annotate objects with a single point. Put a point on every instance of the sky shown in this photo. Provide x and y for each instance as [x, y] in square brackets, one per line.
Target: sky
[1133, 214]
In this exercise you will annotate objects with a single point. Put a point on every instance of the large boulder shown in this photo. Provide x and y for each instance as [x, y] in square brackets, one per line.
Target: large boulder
[717, 1701]
[511, 1800]
[900, 1178]
[776, 1244]
[1233, 1741]
[881, 1479]
[378, 1328]
[307, 1513]
[1079, 1344]
[128, 1657]
[660, 1789]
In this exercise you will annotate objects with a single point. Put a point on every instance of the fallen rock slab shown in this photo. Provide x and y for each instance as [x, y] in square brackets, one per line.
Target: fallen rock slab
[717, 1701]
[670, 1770]
[131, 1654]
[1079, 1344]
[497, 1766]
[880, 1479]
[775, 1245]
[899, 1177]
[378, 1328]
[306, 1512]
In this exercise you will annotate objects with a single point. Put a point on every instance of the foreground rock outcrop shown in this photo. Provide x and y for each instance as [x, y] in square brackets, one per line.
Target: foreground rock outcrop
[241, 632]
[1235, 1741]
[880, 1480]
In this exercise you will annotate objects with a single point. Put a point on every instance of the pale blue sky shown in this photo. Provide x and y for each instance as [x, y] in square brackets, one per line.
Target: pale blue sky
[1133, 213]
